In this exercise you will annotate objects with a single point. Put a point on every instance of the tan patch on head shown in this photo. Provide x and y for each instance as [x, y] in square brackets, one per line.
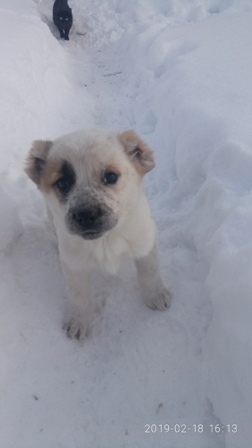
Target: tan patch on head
[46, 171]
[51, 174]
[113, 168]
[60, 177]
[138, 151]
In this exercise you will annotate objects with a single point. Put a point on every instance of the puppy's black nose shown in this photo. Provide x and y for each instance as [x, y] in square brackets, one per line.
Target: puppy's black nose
[86, 217]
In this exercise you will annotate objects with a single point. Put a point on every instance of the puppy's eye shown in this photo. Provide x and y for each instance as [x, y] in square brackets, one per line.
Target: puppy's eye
[110, 178]
[63, 185]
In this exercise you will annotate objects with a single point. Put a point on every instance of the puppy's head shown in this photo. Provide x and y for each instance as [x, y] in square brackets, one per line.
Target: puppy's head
[91, 180]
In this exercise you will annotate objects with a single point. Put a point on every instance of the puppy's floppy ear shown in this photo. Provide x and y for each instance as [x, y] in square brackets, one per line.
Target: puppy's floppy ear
[138, 152]
[36, 159]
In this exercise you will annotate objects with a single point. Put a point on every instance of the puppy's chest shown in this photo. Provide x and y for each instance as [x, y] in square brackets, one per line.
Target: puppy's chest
[104, 253]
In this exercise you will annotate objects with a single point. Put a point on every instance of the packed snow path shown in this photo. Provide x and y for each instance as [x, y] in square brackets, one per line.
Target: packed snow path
[179, 75]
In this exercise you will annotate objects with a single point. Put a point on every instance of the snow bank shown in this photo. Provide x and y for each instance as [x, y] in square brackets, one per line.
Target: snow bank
[226, 195]
[38, 85]
[40, 97]
[192, 93]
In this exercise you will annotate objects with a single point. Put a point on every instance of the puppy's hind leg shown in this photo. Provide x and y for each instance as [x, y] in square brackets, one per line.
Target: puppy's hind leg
[81, 304]
[155, 293]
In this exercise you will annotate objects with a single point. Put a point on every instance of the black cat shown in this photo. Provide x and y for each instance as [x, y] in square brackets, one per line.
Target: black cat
[62, 17]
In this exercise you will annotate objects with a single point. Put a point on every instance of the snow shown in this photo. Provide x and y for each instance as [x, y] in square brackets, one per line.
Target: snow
[179, 73]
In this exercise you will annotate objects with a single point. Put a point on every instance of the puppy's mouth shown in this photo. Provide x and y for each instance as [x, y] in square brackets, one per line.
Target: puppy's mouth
[89, 224]
[91, 234]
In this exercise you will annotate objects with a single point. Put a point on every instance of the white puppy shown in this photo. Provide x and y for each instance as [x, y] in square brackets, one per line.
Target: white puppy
[91, 181]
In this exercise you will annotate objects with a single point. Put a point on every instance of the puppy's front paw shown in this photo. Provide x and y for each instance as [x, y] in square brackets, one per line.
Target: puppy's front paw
[159, 300]
[75, 329]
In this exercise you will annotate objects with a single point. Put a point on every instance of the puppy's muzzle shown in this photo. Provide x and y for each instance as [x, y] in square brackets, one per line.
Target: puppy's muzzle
[89, 222]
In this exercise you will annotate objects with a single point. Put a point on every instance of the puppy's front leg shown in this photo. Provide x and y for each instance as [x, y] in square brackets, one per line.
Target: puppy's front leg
[81, 304]
[156, 294]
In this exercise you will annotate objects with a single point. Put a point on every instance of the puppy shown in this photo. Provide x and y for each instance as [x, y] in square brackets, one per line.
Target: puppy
[92, 184]
[62, 17]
